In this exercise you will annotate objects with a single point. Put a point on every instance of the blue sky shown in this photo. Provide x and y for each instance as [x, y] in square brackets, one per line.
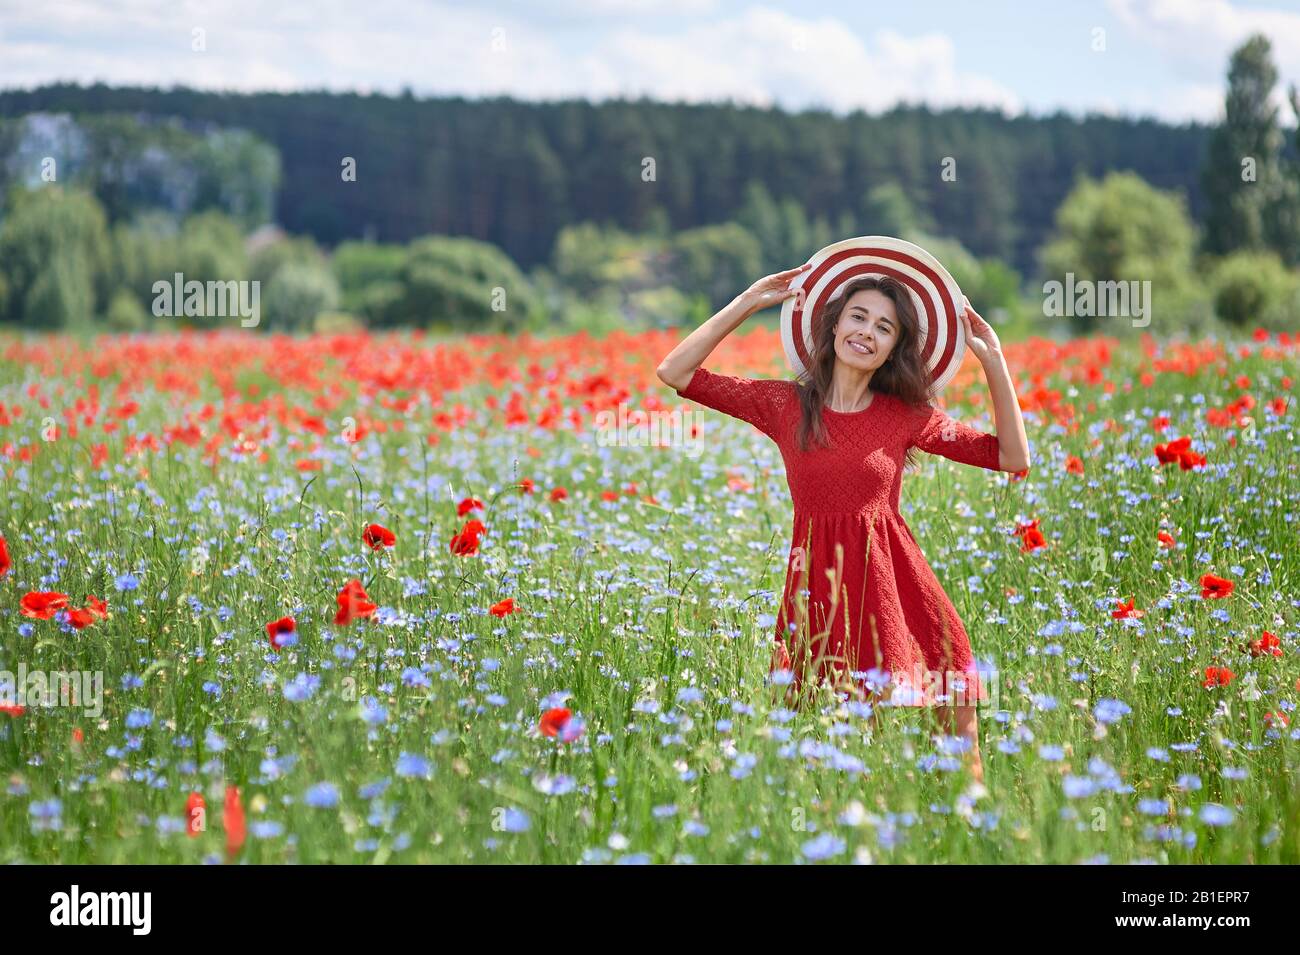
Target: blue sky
[1163, 58]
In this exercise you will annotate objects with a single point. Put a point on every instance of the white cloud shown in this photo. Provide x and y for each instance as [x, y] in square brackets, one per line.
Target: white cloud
[759, 55]
[1197, 38]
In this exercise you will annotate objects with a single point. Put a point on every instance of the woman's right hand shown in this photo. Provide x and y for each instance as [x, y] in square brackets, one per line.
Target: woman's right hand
[677, 369]
[771, 289]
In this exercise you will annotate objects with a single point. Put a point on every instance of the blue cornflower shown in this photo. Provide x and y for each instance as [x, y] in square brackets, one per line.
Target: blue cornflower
[301, 687]
[515, 820]
[372, 712]
[46, 816]
[1110, 711]
[1077, 787]
[1212, 814]
[823, 847]
[413, 677]
[410, 766]
[554, 785]
[322, 796]
[374, 790]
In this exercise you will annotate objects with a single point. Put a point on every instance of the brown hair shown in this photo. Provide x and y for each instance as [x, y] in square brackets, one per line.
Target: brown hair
[903, 374]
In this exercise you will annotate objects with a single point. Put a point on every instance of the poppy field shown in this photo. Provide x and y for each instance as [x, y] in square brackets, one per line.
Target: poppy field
[385, 598]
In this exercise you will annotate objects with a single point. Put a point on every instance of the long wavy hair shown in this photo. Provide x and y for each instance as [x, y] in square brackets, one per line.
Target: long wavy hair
[903, 374]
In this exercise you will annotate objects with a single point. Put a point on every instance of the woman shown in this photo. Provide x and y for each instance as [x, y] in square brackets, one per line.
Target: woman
[860, 601]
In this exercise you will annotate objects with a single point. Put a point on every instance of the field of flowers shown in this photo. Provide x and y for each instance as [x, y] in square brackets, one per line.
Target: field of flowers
[365, 599]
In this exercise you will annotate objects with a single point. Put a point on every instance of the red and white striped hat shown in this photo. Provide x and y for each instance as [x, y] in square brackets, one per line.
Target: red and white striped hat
[938, 300]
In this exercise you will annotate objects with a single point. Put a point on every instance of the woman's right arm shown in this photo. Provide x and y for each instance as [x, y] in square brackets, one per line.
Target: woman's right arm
[678, 367]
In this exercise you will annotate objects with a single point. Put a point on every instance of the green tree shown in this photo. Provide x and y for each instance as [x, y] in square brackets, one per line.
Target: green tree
[717, 262]
[297, 293]
[125, 313]
[144, 252]
[361, 267]
[1248, 286]
[992, 286]
[461, 283]
[590, 259]
[1246, 194]
[238, 174]
[55, 258]
[266, 261]
[1119, 230]
[888, 211]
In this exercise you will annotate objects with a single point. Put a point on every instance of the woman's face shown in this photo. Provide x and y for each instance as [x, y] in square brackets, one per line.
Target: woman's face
[866, 331]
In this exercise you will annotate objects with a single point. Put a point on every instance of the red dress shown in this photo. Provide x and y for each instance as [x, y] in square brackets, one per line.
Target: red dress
[874, 611]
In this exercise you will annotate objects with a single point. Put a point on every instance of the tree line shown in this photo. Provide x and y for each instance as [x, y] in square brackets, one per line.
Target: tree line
[403, 211]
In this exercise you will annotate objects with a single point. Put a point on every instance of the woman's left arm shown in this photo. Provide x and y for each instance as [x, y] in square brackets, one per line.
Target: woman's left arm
[1013, 445]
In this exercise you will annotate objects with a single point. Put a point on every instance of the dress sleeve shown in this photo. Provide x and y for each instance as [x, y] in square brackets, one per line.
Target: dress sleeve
[756, 400]
[944, 435]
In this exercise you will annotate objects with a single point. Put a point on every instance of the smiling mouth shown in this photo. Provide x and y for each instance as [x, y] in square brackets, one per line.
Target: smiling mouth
[861, 349]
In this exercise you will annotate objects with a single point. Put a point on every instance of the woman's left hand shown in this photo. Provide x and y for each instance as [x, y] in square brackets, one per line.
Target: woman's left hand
[980, 336]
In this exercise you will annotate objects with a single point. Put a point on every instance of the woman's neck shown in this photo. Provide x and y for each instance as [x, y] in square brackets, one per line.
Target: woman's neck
[849, 394]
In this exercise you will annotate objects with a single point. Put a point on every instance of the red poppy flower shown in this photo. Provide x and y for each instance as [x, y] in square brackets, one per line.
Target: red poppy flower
[1272, 719]
[42, 604]
[377, 536]
[504, 607]
[527, 485]
[5, 562]
[1168, 453]
[1215, 588]
[1031, 538]
[14, 710]
[554, 720]
[78, 736]
[353, 603]
[232, 817]
[97, 607]
[467, 505]
[1074, 465]
[277, 629]
[559, 494]
[1123, 610]
[1166, 539]
[465, 543]
[1217, 676]
[1267, 645]
[1180, 451]
[195, 814]
[81, 618]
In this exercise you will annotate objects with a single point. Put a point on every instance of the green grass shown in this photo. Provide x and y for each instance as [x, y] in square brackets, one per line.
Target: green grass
[652, 618]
